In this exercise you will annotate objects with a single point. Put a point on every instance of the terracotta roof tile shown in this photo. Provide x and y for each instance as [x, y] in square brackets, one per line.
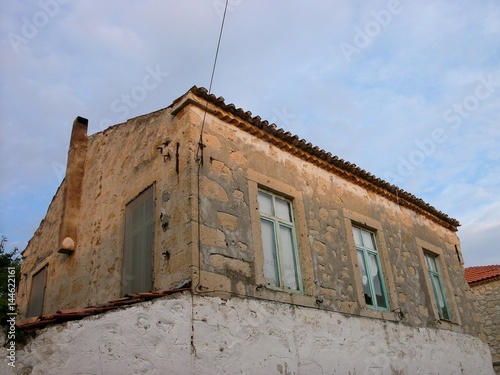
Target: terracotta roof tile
[131, 301]
[481, 273]
[72, 314]
[76, 311]
[344, 168]
[37, 324]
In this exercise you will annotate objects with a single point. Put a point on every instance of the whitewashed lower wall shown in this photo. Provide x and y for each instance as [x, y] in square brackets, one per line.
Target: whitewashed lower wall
[183, 334]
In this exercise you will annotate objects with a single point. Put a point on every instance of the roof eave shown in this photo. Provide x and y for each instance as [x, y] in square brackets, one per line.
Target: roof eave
[306, 151]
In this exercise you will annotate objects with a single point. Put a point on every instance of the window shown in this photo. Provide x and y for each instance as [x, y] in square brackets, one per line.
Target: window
[369, 266]
[281, 261]
[437, 286]
[138, 248]
[37, 294]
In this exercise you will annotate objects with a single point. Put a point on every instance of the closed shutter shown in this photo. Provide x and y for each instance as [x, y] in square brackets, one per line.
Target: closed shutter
[138, 250]
[37, 295]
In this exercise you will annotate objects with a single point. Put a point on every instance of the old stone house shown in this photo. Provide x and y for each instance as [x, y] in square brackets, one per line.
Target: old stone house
[295, 261]
[485, 283]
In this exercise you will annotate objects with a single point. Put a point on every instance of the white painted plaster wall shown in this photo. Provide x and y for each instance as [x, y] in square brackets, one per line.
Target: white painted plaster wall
[240, 336]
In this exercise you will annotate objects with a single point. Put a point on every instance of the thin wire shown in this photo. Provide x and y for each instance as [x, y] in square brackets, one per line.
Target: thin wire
[199, 150]
[200, 144]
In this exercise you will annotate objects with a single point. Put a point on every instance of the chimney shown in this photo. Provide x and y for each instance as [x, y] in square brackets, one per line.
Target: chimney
[73, 186]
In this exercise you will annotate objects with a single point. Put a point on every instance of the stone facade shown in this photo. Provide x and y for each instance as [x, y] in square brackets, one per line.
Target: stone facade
[207, 225]
[488, 306]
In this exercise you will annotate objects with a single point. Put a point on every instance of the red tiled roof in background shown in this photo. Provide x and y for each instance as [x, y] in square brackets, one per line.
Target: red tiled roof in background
[481, 273]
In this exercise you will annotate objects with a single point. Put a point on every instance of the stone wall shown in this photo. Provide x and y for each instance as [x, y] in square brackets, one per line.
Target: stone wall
[41, 247]
[488, 306]
[191, 334]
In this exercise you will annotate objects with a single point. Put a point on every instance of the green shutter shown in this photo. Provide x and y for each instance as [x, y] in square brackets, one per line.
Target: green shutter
[137, 274]
[37, 295]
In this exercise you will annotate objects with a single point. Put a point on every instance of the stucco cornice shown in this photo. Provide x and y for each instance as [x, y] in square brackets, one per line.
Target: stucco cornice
[308, 152]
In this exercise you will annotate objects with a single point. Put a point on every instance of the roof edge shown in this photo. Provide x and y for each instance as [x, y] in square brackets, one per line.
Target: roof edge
[61, 316]
[311, 153]
[487, 280]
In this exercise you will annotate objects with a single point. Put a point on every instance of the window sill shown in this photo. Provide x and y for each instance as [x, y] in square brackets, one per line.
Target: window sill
[285, 296]
[369, 312]
[447, 324]
[278, 289]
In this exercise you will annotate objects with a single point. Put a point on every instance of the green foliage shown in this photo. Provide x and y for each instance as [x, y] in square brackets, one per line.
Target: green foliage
[7, 259]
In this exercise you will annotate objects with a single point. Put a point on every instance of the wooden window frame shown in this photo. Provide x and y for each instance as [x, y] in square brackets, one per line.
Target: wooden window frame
[353, 218]
[366, 251]
[256, 181]
[278, 250]
[437, 284]
[438, 252]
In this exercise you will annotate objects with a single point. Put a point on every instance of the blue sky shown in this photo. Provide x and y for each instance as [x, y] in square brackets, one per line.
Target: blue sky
[409, 91]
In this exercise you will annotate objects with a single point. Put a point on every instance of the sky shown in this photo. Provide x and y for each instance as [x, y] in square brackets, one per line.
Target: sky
[407, 90]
